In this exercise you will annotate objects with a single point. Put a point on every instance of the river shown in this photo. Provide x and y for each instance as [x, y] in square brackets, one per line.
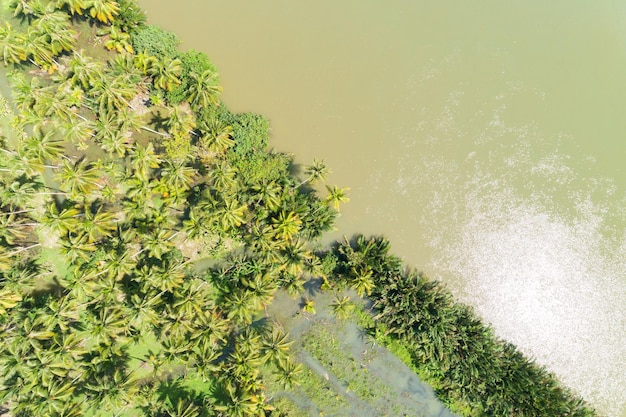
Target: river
[485, 139]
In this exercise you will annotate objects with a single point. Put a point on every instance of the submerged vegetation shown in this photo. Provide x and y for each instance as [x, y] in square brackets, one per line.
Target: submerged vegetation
[144, 229]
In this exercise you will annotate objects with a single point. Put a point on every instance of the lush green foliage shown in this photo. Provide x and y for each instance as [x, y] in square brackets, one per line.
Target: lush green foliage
[107, 202]
[477, 374]
[130, 17]
[192, 62]
[155, 41]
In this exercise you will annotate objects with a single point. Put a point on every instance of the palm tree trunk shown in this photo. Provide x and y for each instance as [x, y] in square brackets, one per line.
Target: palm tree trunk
[16, 212]
[22, 249]
[154, 131]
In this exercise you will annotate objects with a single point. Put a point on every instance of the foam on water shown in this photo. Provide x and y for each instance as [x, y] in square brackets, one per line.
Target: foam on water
[552, 286]
[521, 233]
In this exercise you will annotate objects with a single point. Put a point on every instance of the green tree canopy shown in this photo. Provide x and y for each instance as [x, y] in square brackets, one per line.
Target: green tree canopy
[155, 41]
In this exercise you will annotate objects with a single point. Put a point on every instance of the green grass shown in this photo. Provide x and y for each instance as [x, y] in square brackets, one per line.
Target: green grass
[324, 346]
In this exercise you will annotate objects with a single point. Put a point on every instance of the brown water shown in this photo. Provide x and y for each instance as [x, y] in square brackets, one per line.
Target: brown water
[484, 138]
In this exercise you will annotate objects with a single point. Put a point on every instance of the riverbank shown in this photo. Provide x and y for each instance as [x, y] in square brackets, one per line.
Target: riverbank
[127, 325]
[131, 326]
[463, 144]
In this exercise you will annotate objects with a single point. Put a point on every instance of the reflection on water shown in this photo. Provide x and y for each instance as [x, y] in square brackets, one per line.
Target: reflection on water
[485, 139]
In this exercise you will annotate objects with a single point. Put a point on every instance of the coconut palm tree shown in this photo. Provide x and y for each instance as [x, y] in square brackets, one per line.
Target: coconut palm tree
[19, 193]
[112, 94]
[40, 148]
[38, 47]
[103, 10]
[275, 347]
[78, 247]
[239, 305]
[215, 136]
[180, 121]
[289, 374]
[26, 8]
[143, 62]
[231, 214]
[72, 6]
[342, 307]
[165, 73]
[130, 120]
[294, 257]
[286, 225]
[54, 27]
[158, 242]
[143, 160]
[8, 300]
[138, 190]
[119, 263]
[78, 132]
[317, 171]
[268, 193]
[83, 71]
[223, 178]
[79, 179]
[63, 221]
[196, 224]
[308, 305]
[361, 280]
[205, 359]
[261, 239]
[53, 398]
[204, 89]
[26, 92]
[10, 231]
[69, 99]
[106, 325]
[107, 124]
[117, 144]
[211, 329]
[238, 403]
[98, 224]
[12, 45]
[116, 39]
[178, 176]
[336, 196]
[263, 288]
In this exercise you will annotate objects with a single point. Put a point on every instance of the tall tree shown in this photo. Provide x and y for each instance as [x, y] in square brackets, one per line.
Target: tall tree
[231, 214]
[287, 225]
[72, 6]
[103, 10]
[178, 176]
[84, 71]
[204, 89]
[79, 179]
[317, 171]
[337, 196]
[12, 46]
[165, 73]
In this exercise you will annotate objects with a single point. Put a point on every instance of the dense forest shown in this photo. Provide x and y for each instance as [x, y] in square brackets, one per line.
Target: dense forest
[145, 228]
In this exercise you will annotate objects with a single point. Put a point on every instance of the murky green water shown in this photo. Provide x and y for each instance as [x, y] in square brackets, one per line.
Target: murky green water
[486, 139]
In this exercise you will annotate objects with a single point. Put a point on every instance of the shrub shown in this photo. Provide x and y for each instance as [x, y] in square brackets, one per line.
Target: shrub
[155, 41]
[251, 133]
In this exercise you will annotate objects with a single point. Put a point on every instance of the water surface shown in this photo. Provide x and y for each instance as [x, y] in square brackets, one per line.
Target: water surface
[484, 139]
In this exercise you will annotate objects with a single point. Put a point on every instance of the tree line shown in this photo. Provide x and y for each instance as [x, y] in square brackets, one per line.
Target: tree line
[472, 370]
